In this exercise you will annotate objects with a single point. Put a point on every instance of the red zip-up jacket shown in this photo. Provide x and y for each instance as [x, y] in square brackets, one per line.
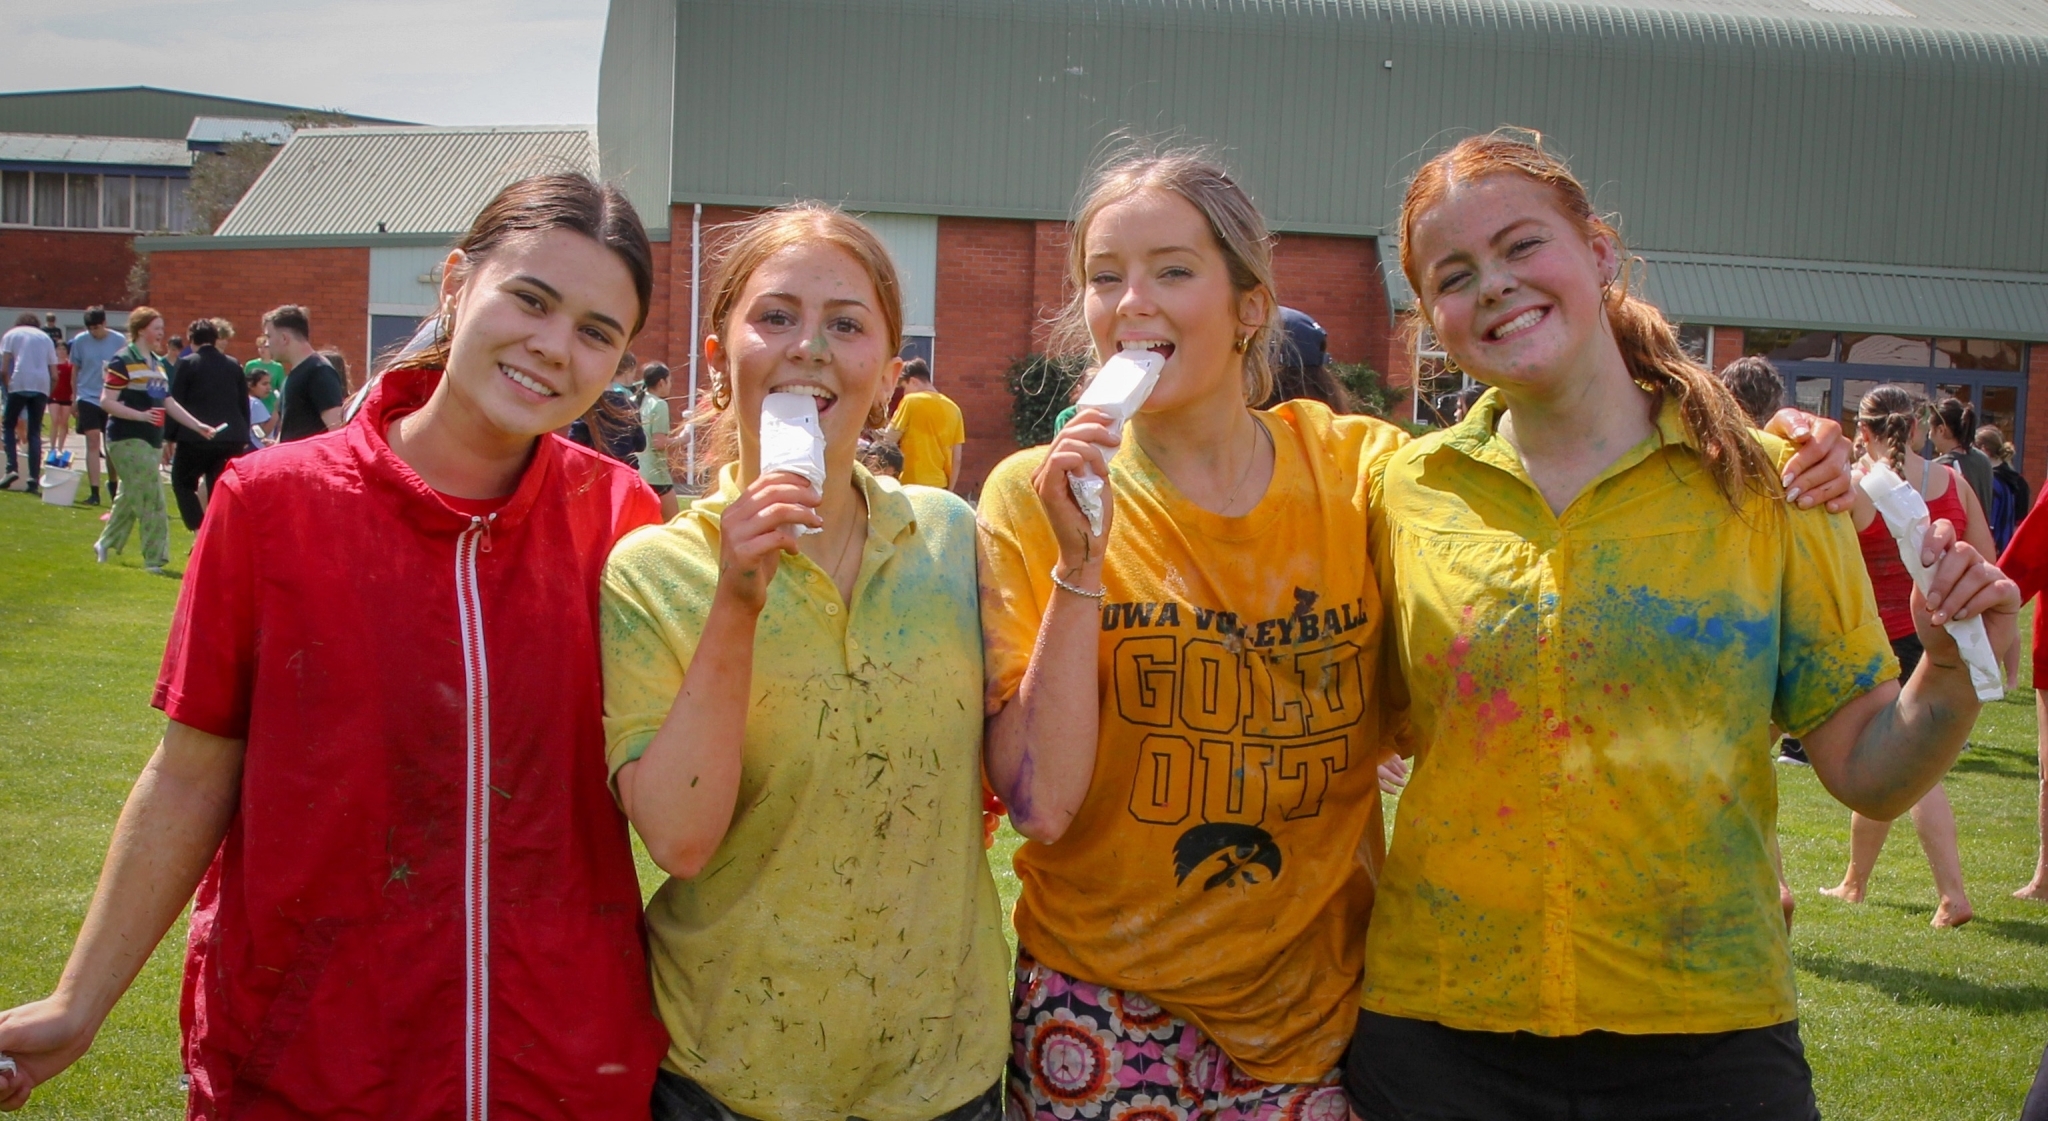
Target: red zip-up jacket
[426, 905]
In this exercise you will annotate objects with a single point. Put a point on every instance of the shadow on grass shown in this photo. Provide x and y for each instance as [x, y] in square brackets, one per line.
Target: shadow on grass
[1926, 988]
[2000, 762]
[2031, 933]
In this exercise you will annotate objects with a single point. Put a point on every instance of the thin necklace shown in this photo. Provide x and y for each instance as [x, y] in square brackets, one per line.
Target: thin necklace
[845, 547]
[1249, 463]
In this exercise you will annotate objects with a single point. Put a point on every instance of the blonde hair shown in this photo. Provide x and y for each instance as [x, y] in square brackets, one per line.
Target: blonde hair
[750, 244]
[1648, 344]
[1234, 221]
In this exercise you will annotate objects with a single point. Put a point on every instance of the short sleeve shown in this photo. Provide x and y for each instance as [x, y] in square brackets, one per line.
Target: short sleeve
[1009, 528]
[648, 626]
[1832, 645]
[326, 391]
[116, 374]
[258, 414]
[956, 427]
[900, 419]
[209, 668]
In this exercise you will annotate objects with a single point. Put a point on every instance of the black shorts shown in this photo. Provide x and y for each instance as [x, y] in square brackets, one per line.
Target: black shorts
[1908, 651]
[91, 418]
[677, 1098]
[1417, 1070]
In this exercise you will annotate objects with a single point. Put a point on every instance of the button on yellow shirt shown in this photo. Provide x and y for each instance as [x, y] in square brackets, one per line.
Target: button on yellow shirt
[932, 427]
[1586, 839]
[841, 954]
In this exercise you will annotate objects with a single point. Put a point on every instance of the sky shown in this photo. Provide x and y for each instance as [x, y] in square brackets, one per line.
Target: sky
[443, 62]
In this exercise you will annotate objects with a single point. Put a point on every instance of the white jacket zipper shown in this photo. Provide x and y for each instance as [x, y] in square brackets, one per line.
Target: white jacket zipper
[476, 869]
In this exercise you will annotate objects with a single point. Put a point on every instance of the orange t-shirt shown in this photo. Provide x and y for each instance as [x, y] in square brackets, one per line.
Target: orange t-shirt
[1223, 861]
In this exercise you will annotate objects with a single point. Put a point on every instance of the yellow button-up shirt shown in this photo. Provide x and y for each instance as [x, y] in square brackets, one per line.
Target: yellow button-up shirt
[1586, 839]
[842, 953]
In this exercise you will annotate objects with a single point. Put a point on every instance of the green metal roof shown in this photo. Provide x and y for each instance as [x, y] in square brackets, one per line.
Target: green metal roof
[1822, 296]
[1765, 128]
[139, 111]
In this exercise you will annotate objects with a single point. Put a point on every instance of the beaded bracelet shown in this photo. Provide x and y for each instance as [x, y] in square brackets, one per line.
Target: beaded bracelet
[1066, 587]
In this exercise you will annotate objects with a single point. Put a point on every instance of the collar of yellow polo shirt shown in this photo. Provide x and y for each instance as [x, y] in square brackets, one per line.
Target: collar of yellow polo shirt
[842, 953]
[1588, 836]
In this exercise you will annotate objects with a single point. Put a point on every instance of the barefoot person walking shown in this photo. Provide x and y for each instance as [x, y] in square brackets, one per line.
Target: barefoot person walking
[1889, 419]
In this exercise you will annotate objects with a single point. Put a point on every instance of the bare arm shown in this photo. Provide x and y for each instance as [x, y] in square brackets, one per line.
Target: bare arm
[330, 417]
[170, 828]
[1040, 751]
[680, 794]
[1880, 752]
[953, 472]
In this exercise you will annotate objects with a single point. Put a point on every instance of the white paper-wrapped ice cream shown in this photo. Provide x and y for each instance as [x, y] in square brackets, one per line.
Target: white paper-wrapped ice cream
[791, 440]
[1119, 389]
[1905, 514]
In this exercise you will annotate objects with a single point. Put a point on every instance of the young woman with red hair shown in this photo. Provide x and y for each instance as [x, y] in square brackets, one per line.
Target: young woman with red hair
[1598, 604]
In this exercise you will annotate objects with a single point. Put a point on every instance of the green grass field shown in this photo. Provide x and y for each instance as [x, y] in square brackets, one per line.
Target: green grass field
[1901, 1021]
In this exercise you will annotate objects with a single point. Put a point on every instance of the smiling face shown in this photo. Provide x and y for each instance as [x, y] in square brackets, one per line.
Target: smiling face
[153, 336]
[1511, 283]
[1157, 280]
[539, 326]
[808, 321]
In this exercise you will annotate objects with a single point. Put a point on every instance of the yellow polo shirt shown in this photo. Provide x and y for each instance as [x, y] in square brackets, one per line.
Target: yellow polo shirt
[1222, 863]
[1585, 842]
[931, 428]
[842, 954]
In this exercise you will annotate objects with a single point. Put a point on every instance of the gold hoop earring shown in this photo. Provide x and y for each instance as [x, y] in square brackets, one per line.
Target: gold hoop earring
[1244, 343]
[721, 394]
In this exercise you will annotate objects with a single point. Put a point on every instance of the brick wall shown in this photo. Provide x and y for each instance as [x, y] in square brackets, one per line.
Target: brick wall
[64, 268]
[242, 284]
[987, 293]
[1727, 348]
[2034, 444]
[1337, 280]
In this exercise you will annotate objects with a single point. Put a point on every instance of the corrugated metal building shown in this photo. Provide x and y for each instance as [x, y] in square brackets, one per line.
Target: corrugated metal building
[83, 171]
[354, 224]
[1855, 186]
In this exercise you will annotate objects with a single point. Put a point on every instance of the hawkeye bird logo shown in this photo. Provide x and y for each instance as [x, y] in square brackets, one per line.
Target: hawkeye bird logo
[1242, 850]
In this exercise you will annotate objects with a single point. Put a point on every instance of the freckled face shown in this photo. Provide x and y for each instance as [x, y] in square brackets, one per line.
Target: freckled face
[539, 327]
[1511, 285]
[809, 321]
[1158, 280]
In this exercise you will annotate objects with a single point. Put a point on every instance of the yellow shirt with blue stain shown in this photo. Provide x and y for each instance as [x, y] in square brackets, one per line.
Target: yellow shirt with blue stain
[1586, 839]
[842, 953]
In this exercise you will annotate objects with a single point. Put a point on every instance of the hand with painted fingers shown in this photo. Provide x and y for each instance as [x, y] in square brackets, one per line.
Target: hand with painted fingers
[1085, 446]
[1964, 586]
[1818, 471]
[41, 1038]
[759, 526]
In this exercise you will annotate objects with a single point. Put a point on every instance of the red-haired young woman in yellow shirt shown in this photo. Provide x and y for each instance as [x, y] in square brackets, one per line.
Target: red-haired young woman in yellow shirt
[1598, 603]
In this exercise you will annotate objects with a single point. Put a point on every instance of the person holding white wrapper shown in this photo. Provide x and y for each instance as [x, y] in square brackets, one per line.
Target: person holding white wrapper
[1890, 419]
[792, 724]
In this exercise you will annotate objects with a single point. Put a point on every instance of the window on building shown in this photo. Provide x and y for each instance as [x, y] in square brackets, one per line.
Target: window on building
[49, 199]
[2000, 408]
[1887, 350]
[1977, 354]
[1782, 346]
[14, 198]
[1816, 396]
[176, 214]
[83, 211]
[1696, 341]
[149, 205]
[116, 193]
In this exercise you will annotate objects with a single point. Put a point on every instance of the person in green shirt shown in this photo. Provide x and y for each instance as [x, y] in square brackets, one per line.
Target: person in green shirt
[264, 362]
[793, 722]
[654, 469]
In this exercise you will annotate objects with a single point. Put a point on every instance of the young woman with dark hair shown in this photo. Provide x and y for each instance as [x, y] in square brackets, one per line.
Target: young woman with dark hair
[1598, 603]
[384, 769]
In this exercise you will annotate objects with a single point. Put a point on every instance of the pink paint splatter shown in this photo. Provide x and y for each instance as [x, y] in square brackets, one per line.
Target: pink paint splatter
[1466, 686]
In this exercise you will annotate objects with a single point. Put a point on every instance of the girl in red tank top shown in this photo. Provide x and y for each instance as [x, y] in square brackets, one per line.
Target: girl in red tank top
[1889, 417]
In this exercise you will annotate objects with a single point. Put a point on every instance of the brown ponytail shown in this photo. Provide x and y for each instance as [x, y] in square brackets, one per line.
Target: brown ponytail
[1888, 413]
[1649, 346]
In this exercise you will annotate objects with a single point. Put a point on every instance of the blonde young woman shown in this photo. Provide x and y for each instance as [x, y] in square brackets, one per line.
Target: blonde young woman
[793, 729]
[1185, 710]
[1598, 605]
